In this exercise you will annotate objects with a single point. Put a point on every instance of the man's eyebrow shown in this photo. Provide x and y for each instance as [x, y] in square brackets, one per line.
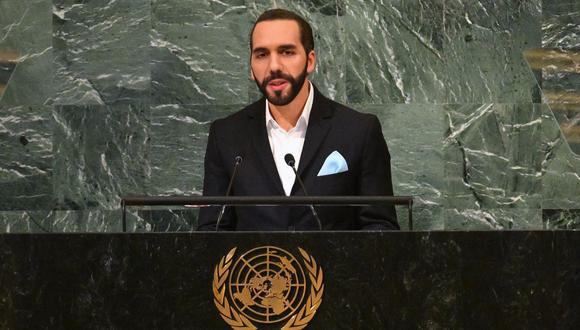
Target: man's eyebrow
[286, 47]
[259, 50]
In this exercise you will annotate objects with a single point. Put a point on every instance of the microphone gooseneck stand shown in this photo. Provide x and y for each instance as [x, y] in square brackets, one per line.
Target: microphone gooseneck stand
[290, 161]
[238, 160]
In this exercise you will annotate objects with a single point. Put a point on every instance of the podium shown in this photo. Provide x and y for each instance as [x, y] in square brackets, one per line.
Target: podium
[370, 280]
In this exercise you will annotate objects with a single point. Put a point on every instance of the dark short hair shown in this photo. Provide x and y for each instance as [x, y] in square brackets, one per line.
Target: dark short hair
[306, 36]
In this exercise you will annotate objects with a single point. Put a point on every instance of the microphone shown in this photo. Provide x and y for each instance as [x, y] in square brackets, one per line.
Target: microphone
[237, 161]
[289, 159]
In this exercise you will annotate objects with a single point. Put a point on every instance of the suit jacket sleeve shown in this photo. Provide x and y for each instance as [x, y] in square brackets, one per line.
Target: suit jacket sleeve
[375, 179]
[215, 183]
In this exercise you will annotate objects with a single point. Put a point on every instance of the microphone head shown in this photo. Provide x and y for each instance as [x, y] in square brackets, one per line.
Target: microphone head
[289, 159]
[238, 159]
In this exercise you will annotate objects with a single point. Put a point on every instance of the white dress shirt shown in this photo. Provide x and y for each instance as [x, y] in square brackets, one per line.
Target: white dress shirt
[283, 142]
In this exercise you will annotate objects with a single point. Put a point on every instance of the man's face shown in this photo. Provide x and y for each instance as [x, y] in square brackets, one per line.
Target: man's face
[279, 62]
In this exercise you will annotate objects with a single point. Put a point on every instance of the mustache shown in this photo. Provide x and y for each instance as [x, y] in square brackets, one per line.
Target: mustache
[277, 75]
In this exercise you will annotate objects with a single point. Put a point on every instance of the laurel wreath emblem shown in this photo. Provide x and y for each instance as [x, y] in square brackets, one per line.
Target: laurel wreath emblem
[239, 322]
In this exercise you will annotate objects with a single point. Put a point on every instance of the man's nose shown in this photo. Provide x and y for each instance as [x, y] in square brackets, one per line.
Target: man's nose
[275, 64]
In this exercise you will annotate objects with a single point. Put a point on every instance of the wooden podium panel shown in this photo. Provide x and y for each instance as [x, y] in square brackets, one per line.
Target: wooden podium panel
[380, 280]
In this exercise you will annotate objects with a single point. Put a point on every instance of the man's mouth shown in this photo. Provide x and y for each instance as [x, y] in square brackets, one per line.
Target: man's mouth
[278, 84]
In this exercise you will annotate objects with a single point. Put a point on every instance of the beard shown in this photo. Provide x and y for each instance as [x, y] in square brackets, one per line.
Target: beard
[278, 97]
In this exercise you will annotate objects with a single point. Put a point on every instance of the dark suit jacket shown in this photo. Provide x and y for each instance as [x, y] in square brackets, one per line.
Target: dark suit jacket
[331, 126]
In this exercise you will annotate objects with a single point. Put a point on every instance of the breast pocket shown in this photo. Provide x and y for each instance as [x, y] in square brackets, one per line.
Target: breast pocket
[334, 184]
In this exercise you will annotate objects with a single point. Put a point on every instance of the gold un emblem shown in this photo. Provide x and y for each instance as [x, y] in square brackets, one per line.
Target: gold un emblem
[267, 285]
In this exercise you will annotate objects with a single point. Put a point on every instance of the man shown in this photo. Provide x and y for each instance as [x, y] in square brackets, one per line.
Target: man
[337, 150]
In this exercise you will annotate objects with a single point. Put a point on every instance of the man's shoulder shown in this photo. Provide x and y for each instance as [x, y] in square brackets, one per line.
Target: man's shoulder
[249, 111]
[347, 114]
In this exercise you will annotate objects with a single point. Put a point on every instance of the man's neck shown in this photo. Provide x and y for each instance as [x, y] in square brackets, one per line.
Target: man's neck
[287, 115]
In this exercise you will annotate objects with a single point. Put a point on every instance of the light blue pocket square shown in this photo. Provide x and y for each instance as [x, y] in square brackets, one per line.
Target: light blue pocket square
[333, 164]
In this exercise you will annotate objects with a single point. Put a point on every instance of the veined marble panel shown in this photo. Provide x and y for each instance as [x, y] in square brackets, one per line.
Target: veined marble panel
[560, 79]
[168, 220]
[101, 51]
[178, 141]
[493, 219]
[561, 219]
[199, 52]
[561, 70]
[59, 221]
[483, 47]
[560, 167]
[493, 156]
[567, 115]
[26, 158]
[101, 153]
[26, 40]
[26, 221]
[560, 28]
[325, 17]
[394, 51]
[97, 220]
[413, 135]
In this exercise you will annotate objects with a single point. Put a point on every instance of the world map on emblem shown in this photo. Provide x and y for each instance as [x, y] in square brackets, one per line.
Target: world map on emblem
[267, 284]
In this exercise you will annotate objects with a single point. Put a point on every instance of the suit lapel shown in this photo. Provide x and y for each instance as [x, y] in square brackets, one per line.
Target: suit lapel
[261, 143]
[318, 127]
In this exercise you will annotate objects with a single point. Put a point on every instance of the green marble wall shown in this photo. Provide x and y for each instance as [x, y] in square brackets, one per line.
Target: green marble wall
[112, 98]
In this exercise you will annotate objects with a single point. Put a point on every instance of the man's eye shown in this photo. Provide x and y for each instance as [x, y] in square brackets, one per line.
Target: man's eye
[288, 52]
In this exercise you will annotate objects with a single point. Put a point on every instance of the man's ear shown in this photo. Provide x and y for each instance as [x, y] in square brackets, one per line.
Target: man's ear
[252, 75]
[311, 62]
